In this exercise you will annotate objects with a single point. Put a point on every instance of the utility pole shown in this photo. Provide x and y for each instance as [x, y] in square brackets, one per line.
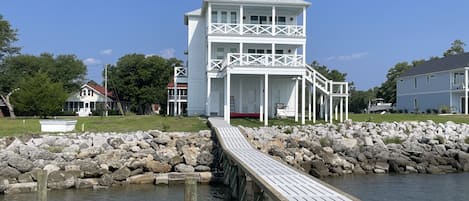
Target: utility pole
[105, 90]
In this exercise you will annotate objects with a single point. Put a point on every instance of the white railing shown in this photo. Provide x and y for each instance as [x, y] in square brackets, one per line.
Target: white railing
[223, 28]
[237, 59]
[216, 64]
[257, 29]
[180, 72]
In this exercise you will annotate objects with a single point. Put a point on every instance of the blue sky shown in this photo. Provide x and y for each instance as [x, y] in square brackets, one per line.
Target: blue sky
[363, 38]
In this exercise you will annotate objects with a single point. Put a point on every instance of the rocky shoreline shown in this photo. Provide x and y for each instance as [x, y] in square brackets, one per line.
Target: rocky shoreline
[99, 160]
[363, 147]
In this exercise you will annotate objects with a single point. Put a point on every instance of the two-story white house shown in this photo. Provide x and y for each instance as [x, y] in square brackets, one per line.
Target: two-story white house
[248, 58]
[434, 85]
[90, 98]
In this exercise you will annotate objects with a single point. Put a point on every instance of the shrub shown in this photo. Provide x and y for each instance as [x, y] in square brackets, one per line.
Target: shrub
[406, 111]
[466, 140]
[400, 111]
[393, 140]
[435, 111]
[444, 109]
[429, 111]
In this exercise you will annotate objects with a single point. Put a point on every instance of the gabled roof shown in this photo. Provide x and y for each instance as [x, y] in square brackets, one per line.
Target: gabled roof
[99, 89]
[438, 65]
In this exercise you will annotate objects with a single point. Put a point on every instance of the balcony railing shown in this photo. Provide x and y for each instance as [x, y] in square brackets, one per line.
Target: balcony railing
[237, 59]
[177, 97]
[180, 72]
[257, 29]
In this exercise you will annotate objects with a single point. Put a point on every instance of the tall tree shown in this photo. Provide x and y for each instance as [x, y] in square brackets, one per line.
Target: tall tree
[39, 96]
[7, 38]
[387, 90]
[359, 99]
[457, 47]
[333, 74]
[141, 80]
[67, 69]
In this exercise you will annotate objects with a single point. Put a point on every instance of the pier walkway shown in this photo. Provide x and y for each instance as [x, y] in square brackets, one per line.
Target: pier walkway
[253, 175]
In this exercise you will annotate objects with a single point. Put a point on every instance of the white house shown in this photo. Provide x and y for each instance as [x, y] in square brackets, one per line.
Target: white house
[90, 98]
[434, 85]
[248, 58]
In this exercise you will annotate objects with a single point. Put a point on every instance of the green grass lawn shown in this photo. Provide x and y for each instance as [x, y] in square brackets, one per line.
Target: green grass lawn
[9, 127]
[377, 118]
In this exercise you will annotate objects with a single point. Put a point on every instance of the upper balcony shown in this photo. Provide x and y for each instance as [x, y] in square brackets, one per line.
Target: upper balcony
[257, 60]
[258, 20]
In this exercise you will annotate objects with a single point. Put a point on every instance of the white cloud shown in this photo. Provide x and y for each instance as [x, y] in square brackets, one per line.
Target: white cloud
[106, 52]
[348, 57]
[91, 61]
[167, 53]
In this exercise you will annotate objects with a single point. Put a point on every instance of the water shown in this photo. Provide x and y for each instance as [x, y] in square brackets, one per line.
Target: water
[127, 193]
[450, 187]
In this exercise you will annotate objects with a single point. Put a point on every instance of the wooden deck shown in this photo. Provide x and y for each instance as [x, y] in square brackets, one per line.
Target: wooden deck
[278, 180]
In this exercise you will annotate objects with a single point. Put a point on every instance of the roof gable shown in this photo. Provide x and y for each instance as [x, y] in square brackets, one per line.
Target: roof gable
[438, 65]
[98, 88]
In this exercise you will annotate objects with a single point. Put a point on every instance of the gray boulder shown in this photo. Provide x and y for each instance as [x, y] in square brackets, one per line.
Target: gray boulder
[9, 172]
[21, 164]
[121, 174]
[60, 180]
[184, 168]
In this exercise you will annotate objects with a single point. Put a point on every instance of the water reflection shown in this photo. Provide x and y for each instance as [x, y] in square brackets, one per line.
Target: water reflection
[127, 193]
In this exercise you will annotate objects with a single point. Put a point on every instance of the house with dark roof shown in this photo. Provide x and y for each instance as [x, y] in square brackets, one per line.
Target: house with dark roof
[440, 84]
[90, 98]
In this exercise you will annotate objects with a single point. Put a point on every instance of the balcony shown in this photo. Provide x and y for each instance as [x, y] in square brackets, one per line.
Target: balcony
[261, 60]
[257, 29]
[172, 98]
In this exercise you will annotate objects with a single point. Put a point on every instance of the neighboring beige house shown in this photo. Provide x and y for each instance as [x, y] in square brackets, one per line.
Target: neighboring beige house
[89, 99]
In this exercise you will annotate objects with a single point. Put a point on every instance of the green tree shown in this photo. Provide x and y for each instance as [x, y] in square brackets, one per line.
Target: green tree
[141, 81]
[457, 47]
[333, 74]
[7, 38]
[359, 99]
[67, 69]
[39, 96]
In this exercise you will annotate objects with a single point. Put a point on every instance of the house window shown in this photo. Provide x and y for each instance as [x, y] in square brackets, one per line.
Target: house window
[214, 16]
[233, 50]
[278, 51]
[260, 51]
[415, 82]
[220, 53]
[224, 17]
[458, 78]
[251, 51]
[281, 20]
[416, 105]
[263, 20]
[233, 18]
[89, 92]
[254, 19]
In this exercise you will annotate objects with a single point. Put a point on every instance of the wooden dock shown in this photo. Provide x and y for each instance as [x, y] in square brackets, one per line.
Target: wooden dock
[253, 175]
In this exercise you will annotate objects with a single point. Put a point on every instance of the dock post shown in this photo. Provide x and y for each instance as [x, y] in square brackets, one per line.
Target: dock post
[190, 189]
[42, 185]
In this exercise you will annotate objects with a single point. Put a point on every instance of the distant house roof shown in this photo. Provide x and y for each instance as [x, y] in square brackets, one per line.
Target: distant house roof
[180, 85]
[100, 89]
[437, 65]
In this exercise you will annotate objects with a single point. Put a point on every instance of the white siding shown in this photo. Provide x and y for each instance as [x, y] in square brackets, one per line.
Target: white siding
[197, 65]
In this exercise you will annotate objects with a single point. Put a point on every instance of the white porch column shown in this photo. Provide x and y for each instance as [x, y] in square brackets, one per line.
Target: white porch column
[167, 105]
[314, 98]
[341, 105]
[209, 18]
[241, 21]
[296, 99]
[322, 108]
[179, 102]
[227, 96]
[175, 96]
[241, 47]
[336, 112]
[303, 99]
[273, 22]
[266, 99]
[261, 100]
[273, 54]
[309, 102]
[331, 102]
[304, 22]
[304, 53]
[346, 101]
[209, 56]
[240, 95]
[466, 98]
[209, 92]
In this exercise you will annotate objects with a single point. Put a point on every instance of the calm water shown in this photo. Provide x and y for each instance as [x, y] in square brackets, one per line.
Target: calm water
[449, 187]
[127, 193]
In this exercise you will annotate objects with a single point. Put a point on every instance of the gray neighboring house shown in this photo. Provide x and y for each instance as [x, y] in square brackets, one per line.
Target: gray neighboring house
[435, 84]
